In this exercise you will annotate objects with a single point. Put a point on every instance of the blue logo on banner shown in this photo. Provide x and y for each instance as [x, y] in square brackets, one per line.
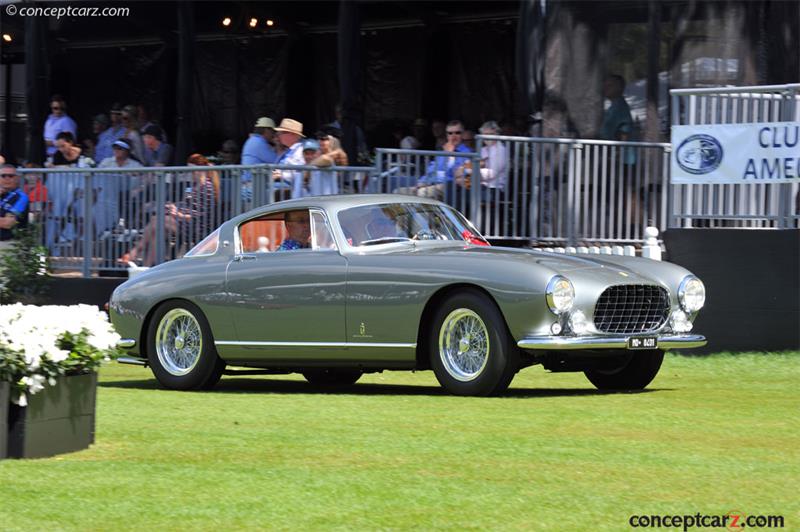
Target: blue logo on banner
[699, 154]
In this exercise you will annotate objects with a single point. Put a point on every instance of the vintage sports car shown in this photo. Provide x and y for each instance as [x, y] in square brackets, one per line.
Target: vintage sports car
[336, 286]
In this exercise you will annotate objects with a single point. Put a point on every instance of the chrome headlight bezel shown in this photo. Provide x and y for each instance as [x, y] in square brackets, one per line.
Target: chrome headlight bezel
[692, 287]
[557, 288]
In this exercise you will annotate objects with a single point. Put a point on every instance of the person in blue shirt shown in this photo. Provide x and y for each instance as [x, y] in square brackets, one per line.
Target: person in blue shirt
[441, 169]
[57, 122]
[298, 228]
[105, 138]
[617, 121]
[257, 149]
[290, 136]
[618, 125]
[117, 129]
[156, 151]
[13, 204]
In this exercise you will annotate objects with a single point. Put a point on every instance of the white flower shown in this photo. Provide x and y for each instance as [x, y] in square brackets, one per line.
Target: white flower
[31, 337]
[34, 383]
[58, 355]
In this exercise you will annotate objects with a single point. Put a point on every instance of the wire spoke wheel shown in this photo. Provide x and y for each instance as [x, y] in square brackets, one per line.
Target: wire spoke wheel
[178, 342]
[464, 344]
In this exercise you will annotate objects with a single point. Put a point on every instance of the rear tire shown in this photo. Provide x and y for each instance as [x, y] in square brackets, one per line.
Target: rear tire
[471, 351]
[332, 377]
[635, 374]
[180, 348]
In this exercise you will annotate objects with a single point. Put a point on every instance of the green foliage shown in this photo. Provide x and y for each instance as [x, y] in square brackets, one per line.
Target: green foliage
[711, 434]
[23, 268]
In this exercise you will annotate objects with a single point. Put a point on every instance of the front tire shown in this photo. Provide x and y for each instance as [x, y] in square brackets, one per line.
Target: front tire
[180, 348]
[471, 350]
[634, 374]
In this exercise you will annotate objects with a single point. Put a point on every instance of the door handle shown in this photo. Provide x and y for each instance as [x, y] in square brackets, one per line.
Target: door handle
[241, 258]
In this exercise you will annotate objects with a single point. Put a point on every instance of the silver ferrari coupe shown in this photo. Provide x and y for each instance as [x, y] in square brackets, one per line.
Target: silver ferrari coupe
[336, 286]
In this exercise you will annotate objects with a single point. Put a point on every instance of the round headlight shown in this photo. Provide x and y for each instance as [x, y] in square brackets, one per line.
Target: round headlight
[692, 294]
[560, 294]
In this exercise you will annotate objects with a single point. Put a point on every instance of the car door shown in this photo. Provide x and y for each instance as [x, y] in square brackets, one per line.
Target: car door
[289, 303]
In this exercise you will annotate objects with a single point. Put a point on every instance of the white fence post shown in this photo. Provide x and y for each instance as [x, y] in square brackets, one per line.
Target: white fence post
[651, 248]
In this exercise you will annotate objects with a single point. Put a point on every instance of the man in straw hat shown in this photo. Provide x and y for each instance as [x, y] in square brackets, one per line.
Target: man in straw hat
[290, 134]
[258, 149]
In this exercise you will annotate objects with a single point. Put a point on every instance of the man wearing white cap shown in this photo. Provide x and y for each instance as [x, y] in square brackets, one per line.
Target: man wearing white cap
[258, 149]
[122, 156]
[290, 134]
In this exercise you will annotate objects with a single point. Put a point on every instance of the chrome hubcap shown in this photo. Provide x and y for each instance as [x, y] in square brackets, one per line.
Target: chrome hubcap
[464, 344]
[179, 342]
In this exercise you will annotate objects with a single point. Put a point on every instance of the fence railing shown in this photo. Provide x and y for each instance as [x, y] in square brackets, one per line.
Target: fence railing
[543, 189]
[736, 105]
[761, 205]
[549, 190]
[553, 191]
[93, 219]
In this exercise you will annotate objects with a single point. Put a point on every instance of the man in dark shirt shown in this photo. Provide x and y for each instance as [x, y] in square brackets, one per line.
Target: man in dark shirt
[13, 204]
[157, 152]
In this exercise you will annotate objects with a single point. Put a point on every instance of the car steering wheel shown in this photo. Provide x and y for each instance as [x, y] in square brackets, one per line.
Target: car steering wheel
[424, 234]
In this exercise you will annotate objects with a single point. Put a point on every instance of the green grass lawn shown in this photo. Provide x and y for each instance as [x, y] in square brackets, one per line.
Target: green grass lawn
[710, 435]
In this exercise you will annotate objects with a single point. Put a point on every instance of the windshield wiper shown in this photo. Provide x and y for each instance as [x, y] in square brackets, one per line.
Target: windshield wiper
[385, 240]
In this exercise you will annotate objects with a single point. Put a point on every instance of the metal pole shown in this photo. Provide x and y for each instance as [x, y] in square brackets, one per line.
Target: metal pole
[8, 147]
[475, 188]
[236, 191]
[787, 115]
[574, 154]
[667, 187]
[270, 185]
[88, 224]
[376, 185]
[184, 87]
[160, 213]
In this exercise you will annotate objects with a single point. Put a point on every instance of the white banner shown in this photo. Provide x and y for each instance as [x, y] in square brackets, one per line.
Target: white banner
[736, 153]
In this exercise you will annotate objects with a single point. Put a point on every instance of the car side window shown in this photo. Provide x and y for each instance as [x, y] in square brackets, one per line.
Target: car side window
[294, 230]
[261, 235]
[321, 236]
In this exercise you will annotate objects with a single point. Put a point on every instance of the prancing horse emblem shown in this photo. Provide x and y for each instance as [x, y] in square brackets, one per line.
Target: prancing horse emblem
[362, 329]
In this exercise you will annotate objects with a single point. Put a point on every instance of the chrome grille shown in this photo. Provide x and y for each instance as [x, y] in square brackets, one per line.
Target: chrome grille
[631, 308]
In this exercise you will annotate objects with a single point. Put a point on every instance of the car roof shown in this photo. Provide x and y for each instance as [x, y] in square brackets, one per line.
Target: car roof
[338, 202]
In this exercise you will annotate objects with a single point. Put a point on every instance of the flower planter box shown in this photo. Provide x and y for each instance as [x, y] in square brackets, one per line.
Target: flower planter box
[58, 419]
[4, 401]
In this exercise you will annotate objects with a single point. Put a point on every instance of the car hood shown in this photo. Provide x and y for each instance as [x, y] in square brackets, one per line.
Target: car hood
[599, 268]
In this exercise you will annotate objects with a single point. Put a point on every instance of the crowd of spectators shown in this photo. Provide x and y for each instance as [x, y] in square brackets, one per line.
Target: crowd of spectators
[126, 137]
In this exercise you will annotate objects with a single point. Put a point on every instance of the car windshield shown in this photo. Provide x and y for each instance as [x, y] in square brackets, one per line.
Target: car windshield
[398, 222]
[208, 246]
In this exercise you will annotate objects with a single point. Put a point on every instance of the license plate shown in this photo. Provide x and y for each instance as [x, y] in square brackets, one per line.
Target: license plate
[643, 342]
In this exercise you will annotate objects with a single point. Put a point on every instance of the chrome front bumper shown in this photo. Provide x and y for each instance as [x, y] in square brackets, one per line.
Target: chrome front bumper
[556, 343]
[126, 343]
